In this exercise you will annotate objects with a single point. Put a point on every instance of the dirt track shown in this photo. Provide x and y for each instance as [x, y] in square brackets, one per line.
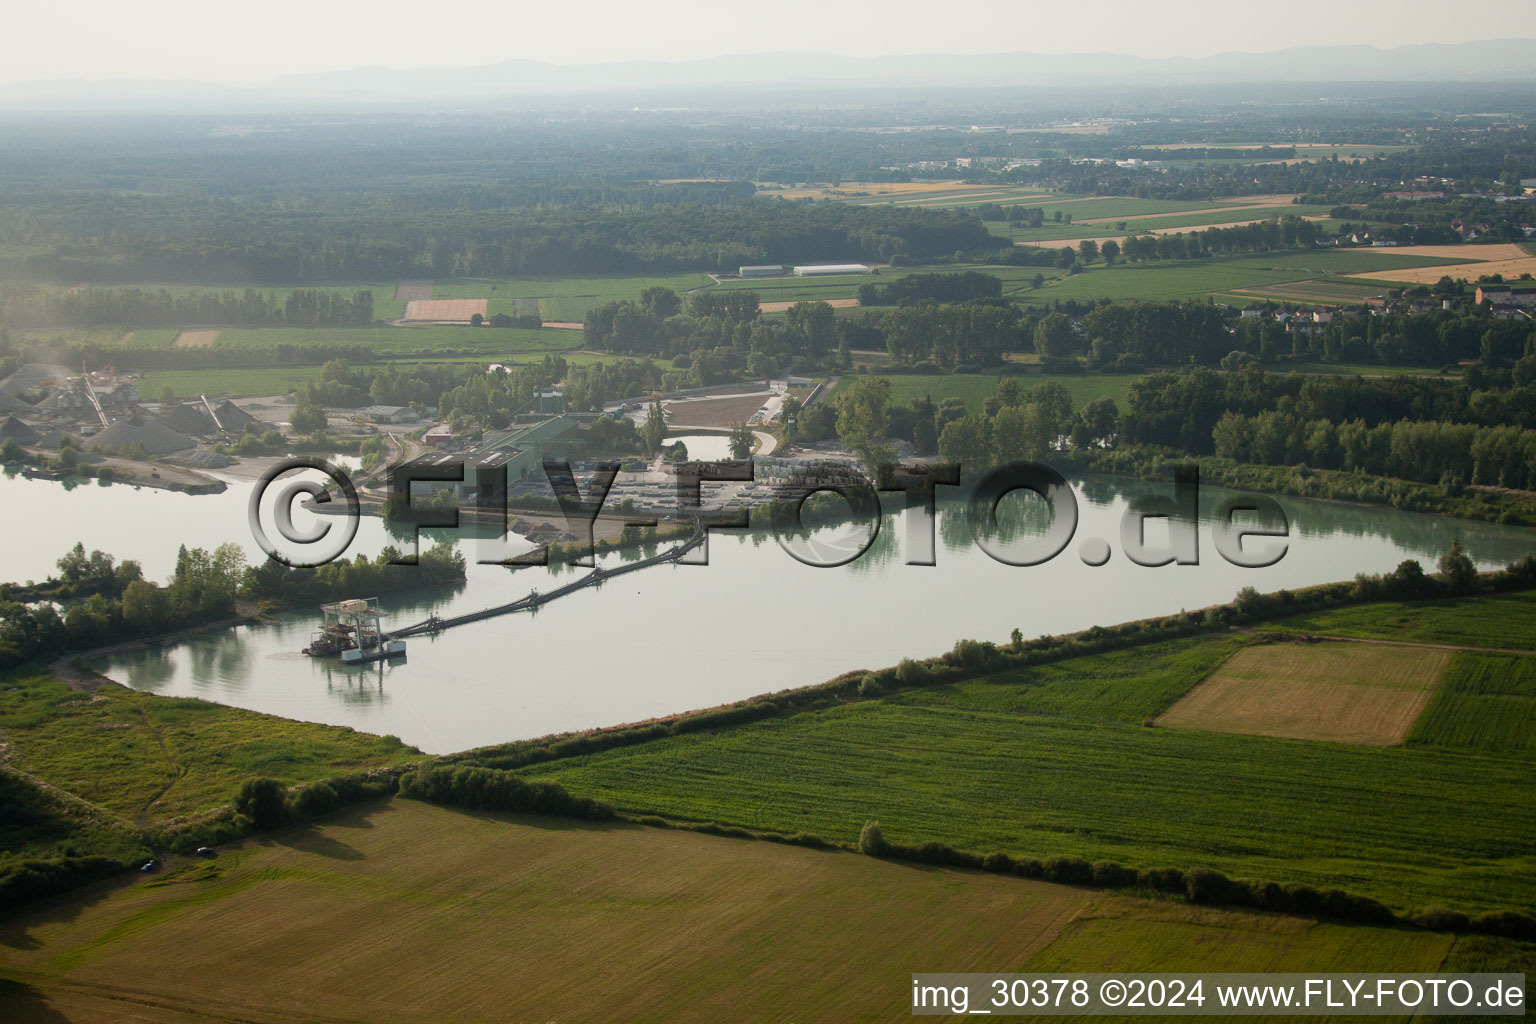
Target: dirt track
[779, 307]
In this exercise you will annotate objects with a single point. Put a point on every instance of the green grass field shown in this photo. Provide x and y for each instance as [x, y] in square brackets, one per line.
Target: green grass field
[405, 911]
[1320, 291]
[141, 756]
[1499, 622]
[1231, 277]
[563, 298]
[1361, 369]
[448, 339]
[1187, 279]
[236, 382]
[1487, 702]
[1058, 760]
[384, 305]
[150, 338]
[1051, 230]
[957, 196]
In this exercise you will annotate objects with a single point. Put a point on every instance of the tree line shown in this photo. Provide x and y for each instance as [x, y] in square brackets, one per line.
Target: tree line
[123, 605]
[138, 307]
[414, 239]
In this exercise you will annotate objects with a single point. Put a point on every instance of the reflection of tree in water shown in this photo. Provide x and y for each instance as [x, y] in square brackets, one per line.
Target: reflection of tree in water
[1022, 517]
[838, 540]
[885, 548]
[221, 657]
[1422, 534]
[148, 670]
[1097, 490]
[416, 603]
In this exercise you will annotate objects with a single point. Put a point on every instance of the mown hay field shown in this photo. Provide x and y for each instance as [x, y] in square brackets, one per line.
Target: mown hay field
[1508, 259]
[1342, 692]
[445, 310]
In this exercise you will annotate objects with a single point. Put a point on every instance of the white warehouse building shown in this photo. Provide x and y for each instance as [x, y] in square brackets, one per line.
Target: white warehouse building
[831, 268]
[763, 271]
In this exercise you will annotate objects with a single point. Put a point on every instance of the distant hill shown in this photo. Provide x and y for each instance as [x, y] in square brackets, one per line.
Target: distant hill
[1486, 61]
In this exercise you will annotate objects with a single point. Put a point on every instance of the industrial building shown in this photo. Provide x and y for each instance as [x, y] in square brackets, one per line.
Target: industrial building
[765, 271]
[389, 414]
[818, 270]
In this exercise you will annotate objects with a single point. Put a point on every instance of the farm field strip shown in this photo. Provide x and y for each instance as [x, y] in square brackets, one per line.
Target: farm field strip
[975, 389]
[957, 196]
[383, 340]
[445, 310]
[195, 339]
[151, 338]
[1328, 691]
[835, 303]
[866, 192]
[1171, 279]
[1487, 702]
[1234, 209]
[385, 305]
[1104, 228]
[1510, 261]
[1023, 197]
[1506, 621]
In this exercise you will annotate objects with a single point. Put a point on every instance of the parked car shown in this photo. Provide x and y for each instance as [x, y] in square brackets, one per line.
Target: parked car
[149, 866]
[207, 851]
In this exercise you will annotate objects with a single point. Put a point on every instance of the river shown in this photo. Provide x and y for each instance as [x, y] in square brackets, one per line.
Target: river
[677, 637]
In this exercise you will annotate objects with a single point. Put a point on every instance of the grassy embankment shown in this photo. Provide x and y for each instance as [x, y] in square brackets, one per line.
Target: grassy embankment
[121, 764]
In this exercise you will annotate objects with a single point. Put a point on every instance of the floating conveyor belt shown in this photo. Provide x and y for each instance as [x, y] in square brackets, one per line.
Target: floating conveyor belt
[433, 624]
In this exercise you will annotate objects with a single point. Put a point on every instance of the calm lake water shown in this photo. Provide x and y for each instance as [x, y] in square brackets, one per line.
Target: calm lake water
[676, 637]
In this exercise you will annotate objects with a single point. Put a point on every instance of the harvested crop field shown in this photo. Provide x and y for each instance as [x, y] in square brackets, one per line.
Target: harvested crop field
[1370, 694]
[713, 412]
[779, 307]
[405, 911]
[413, 291]
[1508, 259]
[444, 310]
[195, 339]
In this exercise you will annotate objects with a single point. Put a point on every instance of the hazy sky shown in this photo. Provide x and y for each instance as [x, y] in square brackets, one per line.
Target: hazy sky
[255, 41]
